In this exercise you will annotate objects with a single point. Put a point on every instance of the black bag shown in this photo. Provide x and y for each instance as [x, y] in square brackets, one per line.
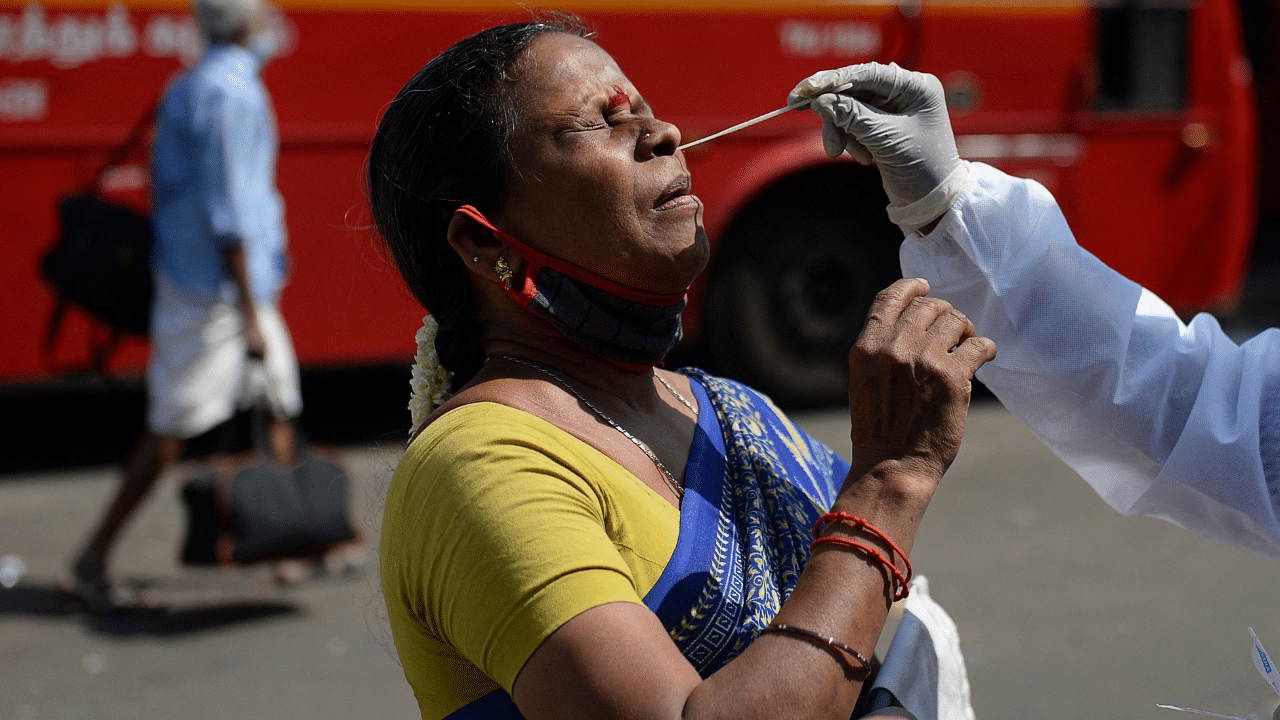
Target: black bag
[250, 507]
[102, 261]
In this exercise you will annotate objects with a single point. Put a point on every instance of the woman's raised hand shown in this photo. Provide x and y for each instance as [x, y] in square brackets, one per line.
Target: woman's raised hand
[910, 380]
[899, 119]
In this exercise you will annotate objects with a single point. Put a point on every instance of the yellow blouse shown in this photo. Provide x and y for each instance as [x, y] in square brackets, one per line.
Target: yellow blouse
[500, 527]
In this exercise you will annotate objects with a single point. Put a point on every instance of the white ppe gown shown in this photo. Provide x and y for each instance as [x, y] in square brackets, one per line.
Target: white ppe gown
[1162, 418]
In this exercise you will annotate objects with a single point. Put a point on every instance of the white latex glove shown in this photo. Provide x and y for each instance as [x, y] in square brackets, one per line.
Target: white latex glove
[899, 119]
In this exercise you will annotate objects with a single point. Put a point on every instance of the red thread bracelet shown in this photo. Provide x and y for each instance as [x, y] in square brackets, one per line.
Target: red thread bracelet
[863, 524]
[860, 523]
[900, 589]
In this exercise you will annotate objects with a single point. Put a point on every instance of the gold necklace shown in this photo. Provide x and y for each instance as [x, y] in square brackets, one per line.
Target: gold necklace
[675, 486]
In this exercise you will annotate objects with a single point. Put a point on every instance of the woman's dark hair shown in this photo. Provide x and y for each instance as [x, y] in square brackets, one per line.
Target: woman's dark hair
[444, 143]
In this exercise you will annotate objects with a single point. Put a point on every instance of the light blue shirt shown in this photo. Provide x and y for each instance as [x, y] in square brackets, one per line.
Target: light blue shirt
[213, 174]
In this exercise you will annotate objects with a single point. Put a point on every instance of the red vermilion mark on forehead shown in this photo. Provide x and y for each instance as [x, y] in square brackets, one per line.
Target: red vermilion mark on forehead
[618, 98]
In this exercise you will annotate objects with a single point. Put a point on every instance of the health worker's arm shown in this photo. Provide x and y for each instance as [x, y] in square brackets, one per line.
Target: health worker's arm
[1162, 419]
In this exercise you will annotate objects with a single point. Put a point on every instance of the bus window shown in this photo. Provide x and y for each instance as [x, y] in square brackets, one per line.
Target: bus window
[1142, 57]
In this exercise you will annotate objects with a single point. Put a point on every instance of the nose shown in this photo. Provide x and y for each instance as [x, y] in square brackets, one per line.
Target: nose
[658, 139]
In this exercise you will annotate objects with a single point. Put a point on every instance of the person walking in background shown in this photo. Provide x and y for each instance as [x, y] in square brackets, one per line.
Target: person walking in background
[218, 338]
[1162, 418]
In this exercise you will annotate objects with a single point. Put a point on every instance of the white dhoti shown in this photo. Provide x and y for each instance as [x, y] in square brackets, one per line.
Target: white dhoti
[200, 372]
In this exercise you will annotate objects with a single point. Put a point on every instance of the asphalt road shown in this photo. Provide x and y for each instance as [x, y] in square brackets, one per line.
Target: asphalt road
[1065, 608]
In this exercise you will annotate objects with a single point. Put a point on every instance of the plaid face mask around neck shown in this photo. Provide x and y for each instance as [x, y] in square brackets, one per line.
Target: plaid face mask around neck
[633, 329]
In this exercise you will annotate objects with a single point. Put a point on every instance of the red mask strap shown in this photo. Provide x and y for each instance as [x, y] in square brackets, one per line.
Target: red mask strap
[527, 293]
[538, 260]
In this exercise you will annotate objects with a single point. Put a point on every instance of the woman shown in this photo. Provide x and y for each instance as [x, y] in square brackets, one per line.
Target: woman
[577, 533]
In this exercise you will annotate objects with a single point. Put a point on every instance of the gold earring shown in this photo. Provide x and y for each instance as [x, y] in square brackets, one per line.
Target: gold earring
[475, 259]
[504, 272]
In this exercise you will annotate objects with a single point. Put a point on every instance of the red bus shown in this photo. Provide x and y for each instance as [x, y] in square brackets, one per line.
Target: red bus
[1138, 116]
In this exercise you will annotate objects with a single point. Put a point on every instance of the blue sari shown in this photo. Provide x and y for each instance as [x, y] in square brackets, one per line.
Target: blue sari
[755, 484]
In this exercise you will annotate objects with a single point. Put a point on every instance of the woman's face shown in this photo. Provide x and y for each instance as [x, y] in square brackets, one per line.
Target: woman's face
[600, 183]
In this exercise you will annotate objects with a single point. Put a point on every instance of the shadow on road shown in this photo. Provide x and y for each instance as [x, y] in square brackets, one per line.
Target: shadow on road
[49, 602]
[172, 622]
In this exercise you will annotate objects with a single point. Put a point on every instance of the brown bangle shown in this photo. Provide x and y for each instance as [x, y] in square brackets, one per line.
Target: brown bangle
[828, 642]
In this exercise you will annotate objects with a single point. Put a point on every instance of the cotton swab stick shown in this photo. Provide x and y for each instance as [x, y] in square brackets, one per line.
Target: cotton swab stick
[1200, 712]
[797, 105]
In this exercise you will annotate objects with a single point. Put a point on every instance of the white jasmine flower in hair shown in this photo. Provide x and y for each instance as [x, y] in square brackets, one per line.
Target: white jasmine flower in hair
[432, 385]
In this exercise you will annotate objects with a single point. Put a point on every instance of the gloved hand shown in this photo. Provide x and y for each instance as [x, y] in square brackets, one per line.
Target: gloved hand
[899, 119]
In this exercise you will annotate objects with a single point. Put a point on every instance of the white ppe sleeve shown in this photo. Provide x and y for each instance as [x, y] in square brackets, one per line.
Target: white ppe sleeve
[1162, 418]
